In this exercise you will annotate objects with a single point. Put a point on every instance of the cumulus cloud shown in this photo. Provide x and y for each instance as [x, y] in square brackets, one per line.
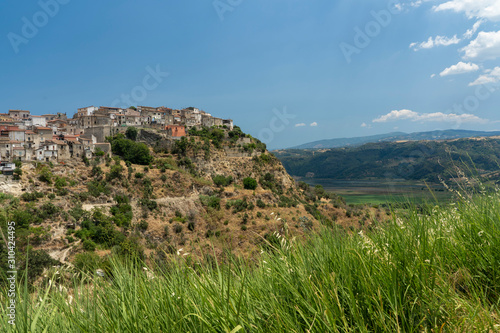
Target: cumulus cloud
[429, 117]
[434, 42]
[314, 124]
[396, 115]
[300, 125]
[485, 46]
[488, 9]
[460, 68]
[491, 76]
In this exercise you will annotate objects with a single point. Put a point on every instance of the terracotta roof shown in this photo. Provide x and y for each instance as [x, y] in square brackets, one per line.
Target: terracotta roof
[18, 148]
[44, 128]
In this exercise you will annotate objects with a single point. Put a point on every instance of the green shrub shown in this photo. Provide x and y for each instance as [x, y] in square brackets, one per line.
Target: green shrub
[143, 225]
[60, 182]
[249, 183]
[222, 181]
[131, 133]
[115, 172]
[45, 175]
[95, 188]
[31, 196]
[37, 261]
[237, 205]
[17, 173]
[129, 150]
[210, 201]
[89, 245]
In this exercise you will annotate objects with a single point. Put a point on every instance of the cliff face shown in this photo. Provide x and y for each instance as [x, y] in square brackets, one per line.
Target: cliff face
[204, 192]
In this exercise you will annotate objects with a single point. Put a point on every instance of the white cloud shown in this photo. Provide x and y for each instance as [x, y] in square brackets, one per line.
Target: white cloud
[488, 9]
[414, 4]
[485, 46]
[300, 125]
[460, 68]
[434, 42]
[472, 31]
[364, 125]
[314, 124]
[396, 115]
[429, 117]
[491, 76]
[433, 75]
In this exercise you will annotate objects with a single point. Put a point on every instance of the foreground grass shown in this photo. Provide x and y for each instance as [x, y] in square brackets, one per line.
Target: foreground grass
[436, 272]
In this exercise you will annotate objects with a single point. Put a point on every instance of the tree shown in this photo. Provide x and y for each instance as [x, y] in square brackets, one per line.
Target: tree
[134, 152]
[249, 183]
[131, 133]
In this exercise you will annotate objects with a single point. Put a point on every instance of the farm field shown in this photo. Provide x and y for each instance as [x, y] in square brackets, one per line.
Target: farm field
[378, 192]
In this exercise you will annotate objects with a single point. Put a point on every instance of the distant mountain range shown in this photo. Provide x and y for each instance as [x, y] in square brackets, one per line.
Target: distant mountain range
[395, 136]
[410, 160]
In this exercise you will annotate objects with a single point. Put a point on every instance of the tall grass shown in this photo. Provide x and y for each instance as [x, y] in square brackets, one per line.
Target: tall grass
[438, 271]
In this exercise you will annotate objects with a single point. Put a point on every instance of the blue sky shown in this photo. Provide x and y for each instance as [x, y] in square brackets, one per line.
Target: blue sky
[278, 68]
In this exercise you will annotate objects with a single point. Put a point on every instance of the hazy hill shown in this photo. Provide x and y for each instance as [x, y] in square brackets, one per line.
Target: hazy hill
[413, 160]
[395, 136]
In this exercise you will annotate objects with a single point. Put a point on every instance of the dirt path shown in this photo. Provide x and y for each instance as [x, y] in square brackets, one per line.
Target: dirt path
[89, 207]
[61, 255]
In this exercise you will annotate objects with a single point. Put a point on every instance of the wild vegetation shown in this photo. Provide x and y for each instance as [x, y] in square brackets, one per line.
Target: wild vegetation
[194, 241]
[432, 271]
[183, 198]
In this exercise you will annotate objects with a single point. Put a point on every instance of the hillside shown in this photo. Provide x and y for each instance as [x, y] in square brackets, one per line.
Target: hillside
[414, 160]
[213, 191]
[393, 137]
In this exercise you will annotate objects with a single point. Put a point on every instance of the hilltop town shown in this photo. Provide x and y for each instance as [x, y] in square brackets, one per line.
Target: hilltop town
[57, 138]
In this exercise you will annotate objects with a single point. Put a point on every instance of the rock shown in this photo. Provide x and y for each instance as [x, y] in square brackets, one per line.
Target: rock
[206, 190]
